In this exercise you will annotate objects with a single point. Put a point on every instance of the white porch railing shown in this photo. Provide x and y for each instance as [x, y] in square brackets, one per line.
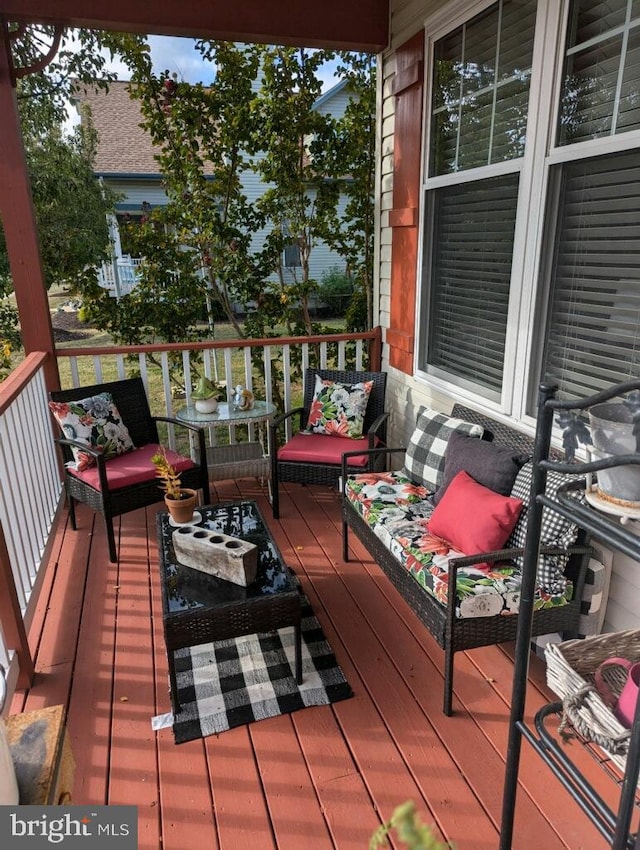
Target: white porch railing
[120, 276]
[170, 371]
[30, 493]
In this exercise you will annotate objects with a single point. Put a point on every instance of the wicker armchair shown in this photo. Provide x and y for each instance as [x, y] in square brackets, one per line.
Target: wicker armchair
[318, 459]
[129, 481]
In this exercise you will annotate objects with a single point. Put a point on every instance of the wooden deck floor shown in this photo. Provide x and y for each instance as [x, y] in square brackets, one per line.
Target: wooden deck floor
[320, 778]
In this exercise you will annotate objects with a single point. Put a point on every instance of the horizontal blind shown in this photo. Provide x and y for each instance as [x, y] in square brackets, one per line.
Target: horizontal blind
[470, 275]
[593, 336]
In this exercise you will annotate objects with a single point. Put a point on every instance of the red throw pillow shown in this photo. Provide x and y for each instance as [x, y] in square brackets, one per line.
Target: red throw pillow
[473, 518]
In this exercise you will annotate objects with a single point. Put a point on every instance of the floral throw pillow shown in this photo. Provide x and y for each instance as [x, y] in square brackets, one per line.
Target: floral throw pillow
[338, 409]
[96, 422]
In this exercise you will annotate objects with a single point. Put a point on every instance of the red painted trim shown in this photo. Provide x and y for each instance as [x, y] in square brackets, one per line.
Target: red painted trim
[404, 216]
[401, 340]
[373, 336]
[13, 626]
[409, 77]
[347, 24]
[18, 219]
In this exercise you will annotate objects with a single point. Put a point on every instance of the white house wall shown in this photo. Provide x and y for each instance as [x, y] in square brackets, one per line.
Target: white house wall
[404, 393]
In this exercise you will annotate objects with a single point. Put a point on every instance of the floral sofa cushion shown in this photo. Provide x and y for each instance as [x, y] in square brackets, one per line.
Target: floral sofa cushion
[398, 511]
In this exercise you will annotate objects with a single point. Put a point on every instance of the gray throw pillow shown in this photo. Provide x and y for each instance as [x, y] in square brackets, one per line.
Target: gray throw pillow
[489, 464]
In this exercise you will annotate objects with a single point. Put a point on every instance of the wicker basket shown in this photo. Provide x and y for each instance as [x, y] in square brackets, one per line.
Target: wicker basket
[570, 670]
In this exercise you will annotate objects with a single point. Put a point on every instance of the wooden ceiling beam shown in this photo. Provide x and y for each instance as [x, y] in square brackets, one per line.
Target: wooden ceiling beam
[340, 24]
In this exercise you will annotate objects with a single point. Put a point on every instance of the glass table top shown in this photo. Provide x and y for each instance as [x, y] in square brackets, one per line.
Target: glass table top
[184, 588]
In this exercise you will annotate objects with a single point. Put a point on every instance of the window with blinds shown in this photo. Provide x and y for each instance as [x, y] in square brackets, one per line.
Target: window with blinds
[479, 103]
[593, 321]
[471, 269]
[601, 75]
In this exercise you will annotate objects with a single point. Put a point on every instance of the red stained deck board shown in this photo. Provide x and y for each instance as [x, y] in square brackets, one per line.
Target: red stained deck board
[242, 815]
[340, 787]
[133, 768]
[294, 807]
[91, 697]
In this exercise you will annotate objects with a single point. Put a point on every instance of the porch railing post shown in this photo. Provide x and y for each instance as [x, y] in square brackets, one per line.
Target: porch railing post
[11, 618]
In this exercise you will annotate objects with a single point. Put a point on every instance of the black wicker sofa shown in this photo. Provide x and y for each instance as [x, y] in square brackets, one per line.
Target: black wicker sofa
[480, 612]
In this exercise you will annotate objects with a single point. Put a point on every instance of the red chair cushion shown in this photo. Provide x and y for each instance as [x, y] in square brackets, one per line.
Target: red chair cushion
[320, 448]
[132, 468]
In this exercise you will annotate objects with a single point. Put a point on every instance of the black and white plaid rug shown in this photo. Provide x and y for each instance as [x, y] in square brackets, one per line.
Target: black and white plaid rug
[232, 682]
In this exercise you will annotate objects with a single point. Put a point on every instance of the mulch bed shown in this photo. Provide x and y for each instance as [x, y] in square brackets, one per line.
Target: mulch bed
[67, 327]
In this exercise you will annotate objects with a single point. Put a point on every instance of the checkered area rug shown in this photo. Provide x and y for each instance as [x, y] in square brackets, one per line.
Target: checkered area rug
[233, 682]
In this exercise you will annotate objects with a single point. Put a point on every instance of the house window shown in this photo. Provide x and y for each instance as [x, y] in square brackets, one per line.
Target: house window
[600, 78]
[292, 256]
[593, 314]
[531, 222]
[479, 96]
[591, 287]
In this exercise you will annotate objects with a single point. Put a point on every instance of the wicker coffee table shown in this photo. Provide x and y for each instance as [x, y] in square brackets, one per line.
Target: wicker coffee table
[199, 608]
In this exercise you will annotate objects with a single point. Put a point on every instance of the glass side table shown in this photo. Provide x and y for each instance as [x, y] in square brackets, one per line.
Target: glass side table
[236, 460]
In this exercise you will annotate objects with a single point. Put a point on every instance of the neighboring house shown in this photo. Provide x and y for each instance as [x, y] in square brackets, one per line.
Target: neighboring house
[125, 162]
[510, 198]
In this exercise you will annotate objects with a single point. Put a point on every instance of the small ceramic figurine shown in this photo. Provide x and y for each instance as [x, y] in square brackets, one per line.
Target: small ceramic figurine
[237, 398]
[246, 402]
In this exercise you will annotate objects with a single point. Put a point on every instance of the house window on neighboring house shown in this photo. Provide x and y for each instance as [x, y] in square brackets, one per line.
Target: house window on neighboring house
[291, 253]
[292, 256]
[480, 80]
[590, 292]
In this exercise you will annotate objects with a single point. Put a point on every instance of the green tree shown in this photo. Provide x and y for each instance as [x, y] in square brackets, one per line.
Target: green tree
[198, 247]
[289, 146]
[203, 248]
[349, 159]
[70, 205]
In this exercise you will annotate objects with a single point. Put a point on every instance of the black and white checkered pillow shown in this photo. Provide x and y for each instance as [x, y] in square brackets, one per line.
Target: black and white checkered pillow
[555, 530]
[424, 458]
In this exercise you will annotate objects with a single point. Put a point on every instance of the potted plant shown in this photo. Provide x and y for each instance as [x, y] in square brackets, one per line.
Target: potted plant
[180, 501]
[206, 395]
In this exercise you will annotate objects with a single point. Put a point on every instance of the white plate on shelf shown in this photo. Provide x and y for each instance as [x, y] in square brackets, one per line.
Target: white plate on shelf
[594, 498]
[195, 519]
